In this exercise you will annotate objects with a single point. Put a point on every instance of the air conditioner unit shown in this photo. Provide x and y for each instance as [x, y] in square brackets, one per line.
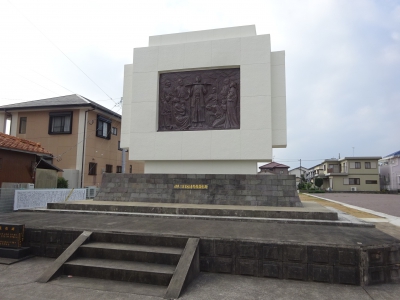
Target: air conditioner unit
[353, 189]
[90, 191]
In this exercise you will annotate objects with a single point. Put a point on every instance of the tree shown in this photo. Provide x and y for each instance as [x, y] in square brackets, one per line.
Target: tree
[62, 183]
[319, 182]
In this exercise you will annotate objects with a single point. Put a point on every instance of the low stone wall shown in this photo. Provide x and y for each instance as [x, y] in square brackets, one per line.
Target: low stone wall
[254, 190]
[355, 265]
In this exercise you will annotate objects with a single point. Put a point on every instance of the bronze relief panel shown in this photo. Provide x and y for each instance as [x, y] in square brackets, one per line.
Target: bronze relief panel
[199, 100]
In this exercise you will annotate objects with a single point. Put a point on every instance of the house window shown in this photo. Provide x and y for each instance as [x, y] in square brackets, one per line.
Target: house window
[130, 170]
[354, 181]
[357, 165]
[109, 168]
[60, 123]
[103, 127]
[22, 125]
[367, 165]
[92, 168]
[119, 169]
[119, 146]
[114, 130]
[371, 181]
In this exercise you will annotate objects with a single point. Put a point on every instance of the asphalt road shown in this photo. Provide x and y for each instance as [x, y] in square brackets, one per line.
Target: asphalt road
[384, 203]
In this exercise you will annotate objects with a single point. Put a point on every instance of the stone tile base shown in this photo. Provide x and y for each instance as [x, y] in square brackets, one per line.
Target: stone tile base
[252, 190]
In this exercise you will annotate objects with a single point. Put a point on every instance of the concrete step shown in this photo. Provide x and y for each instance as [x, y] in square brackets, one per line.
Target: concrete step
[120, 287]
[110, 269]
[137, 239]
[310, 211]
[129, 252]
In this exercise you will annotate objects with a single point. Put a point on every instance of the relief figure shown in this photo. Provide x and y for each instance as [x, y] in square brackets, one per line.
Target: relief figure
[211, 102]
[182, 120]
[197, 103]
[167, 95]
[195, 100]
[231, 107]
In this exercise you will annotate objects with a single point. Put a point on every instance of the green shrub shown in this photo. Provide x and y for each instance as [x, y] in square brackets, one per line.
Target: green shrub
[62, 183]
[319, 182]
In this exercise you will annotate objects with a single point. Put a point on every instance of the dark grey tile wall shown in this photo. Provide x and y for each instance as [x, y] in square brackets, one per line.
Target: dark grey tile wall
[329, 264]
[254, 190]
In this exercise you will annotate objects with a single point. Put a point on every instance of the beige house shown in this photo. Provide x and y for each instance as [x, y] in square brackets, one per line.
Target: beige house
[348, 174]
[82, 135]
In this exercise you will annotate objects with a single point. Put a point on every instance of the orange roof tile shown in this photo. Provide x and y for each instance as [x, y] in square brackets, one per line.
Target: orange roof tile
[15, 143]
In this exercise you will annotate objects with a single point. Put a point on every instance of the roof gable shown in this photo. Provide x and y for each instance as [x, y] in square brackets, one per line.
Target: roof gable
[68, 101]
[273, 165]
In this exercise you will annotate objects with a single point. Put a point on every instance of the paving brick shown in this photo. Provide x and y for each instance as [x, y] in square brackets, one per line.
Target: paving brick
[348, 257]
[321, 255]
[376, 257]
[295, 271]
[247, 267]
[346, 275]
[394, 273]
[320, 273]
[295, 253]
[249, 250]
[223, 248]
[272, 252]
[377, 275]
[272, 269]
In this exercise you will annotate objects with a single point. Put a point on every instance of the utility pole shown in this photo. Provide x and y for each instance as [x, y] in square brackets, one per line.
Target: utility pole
[300, 169]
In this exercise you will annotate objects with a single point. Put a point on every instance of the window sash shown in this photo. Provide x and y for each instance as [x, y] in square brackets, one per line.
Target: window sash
[60, 123]
[22, 125]
[92, 168]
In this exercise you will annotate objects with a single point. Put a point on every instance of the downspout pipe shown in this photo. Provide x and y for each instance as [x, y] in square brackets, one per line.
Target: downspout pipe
[83, 146]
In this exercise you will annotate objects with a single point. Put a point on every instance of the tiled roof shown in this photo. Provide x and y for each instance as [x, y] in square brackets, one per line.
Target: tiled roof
[63, 101]
[273, 165]
[15, 143]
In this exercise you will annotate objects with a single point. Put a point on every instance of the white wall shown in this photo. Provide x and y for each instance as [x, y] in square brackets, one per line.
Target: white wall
[263, 100]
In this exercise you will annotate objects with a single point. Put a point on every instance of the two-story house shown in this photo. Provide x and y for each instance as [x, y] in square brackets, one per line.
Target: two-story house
[349, 174]
[82, 135]
[298, 172]
[274, 168]
[389, 171]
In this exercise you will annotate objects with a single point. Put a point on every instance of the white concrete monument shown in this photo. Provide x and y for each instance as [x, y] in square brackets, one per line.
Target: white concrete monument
[205, 102]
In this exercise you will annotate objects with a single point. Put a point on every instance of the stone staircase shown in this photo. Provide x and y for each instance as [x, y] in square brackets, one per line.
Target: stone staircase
[144, 260]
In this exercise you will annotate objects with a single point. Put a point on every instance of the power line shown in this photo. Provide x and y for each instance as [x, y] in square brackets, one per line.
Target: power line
[53, 81]
[34, 82]
[48, 39]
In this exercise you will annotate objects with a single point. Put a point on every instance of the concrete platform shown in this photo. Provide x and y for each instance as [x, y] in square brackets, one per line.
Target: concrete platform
[321, 253]
[309, 211]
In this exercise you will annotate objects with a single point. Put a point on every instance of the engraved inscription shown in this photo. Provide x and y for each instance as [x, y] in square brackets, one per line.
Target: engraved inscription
[11, 235]
[191, 186]
[199, 100]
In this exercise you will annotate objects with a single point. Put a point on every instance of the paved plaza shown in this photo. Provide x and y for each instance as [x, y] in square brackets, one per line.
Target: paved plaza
[17, 281]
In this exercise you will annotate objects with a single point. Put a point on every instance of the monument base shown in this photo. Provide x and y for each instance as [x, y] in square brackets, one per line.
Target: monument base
[235, 167]
[247, 190]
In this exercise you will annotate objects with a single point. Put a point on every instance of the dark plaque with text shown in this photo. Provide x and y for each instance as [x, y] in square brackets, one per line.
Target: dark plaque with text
[199, 100]
[11, 235]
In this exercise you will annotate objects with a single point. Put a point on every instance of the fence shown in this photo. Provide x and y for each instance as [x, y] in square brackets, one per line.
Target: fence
[6, 200]
[16, 198]
[25, 199]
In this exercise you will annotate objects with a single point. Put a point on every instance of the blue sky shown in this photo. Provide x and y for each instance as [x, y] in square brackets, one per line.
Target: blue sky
[342, 60]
